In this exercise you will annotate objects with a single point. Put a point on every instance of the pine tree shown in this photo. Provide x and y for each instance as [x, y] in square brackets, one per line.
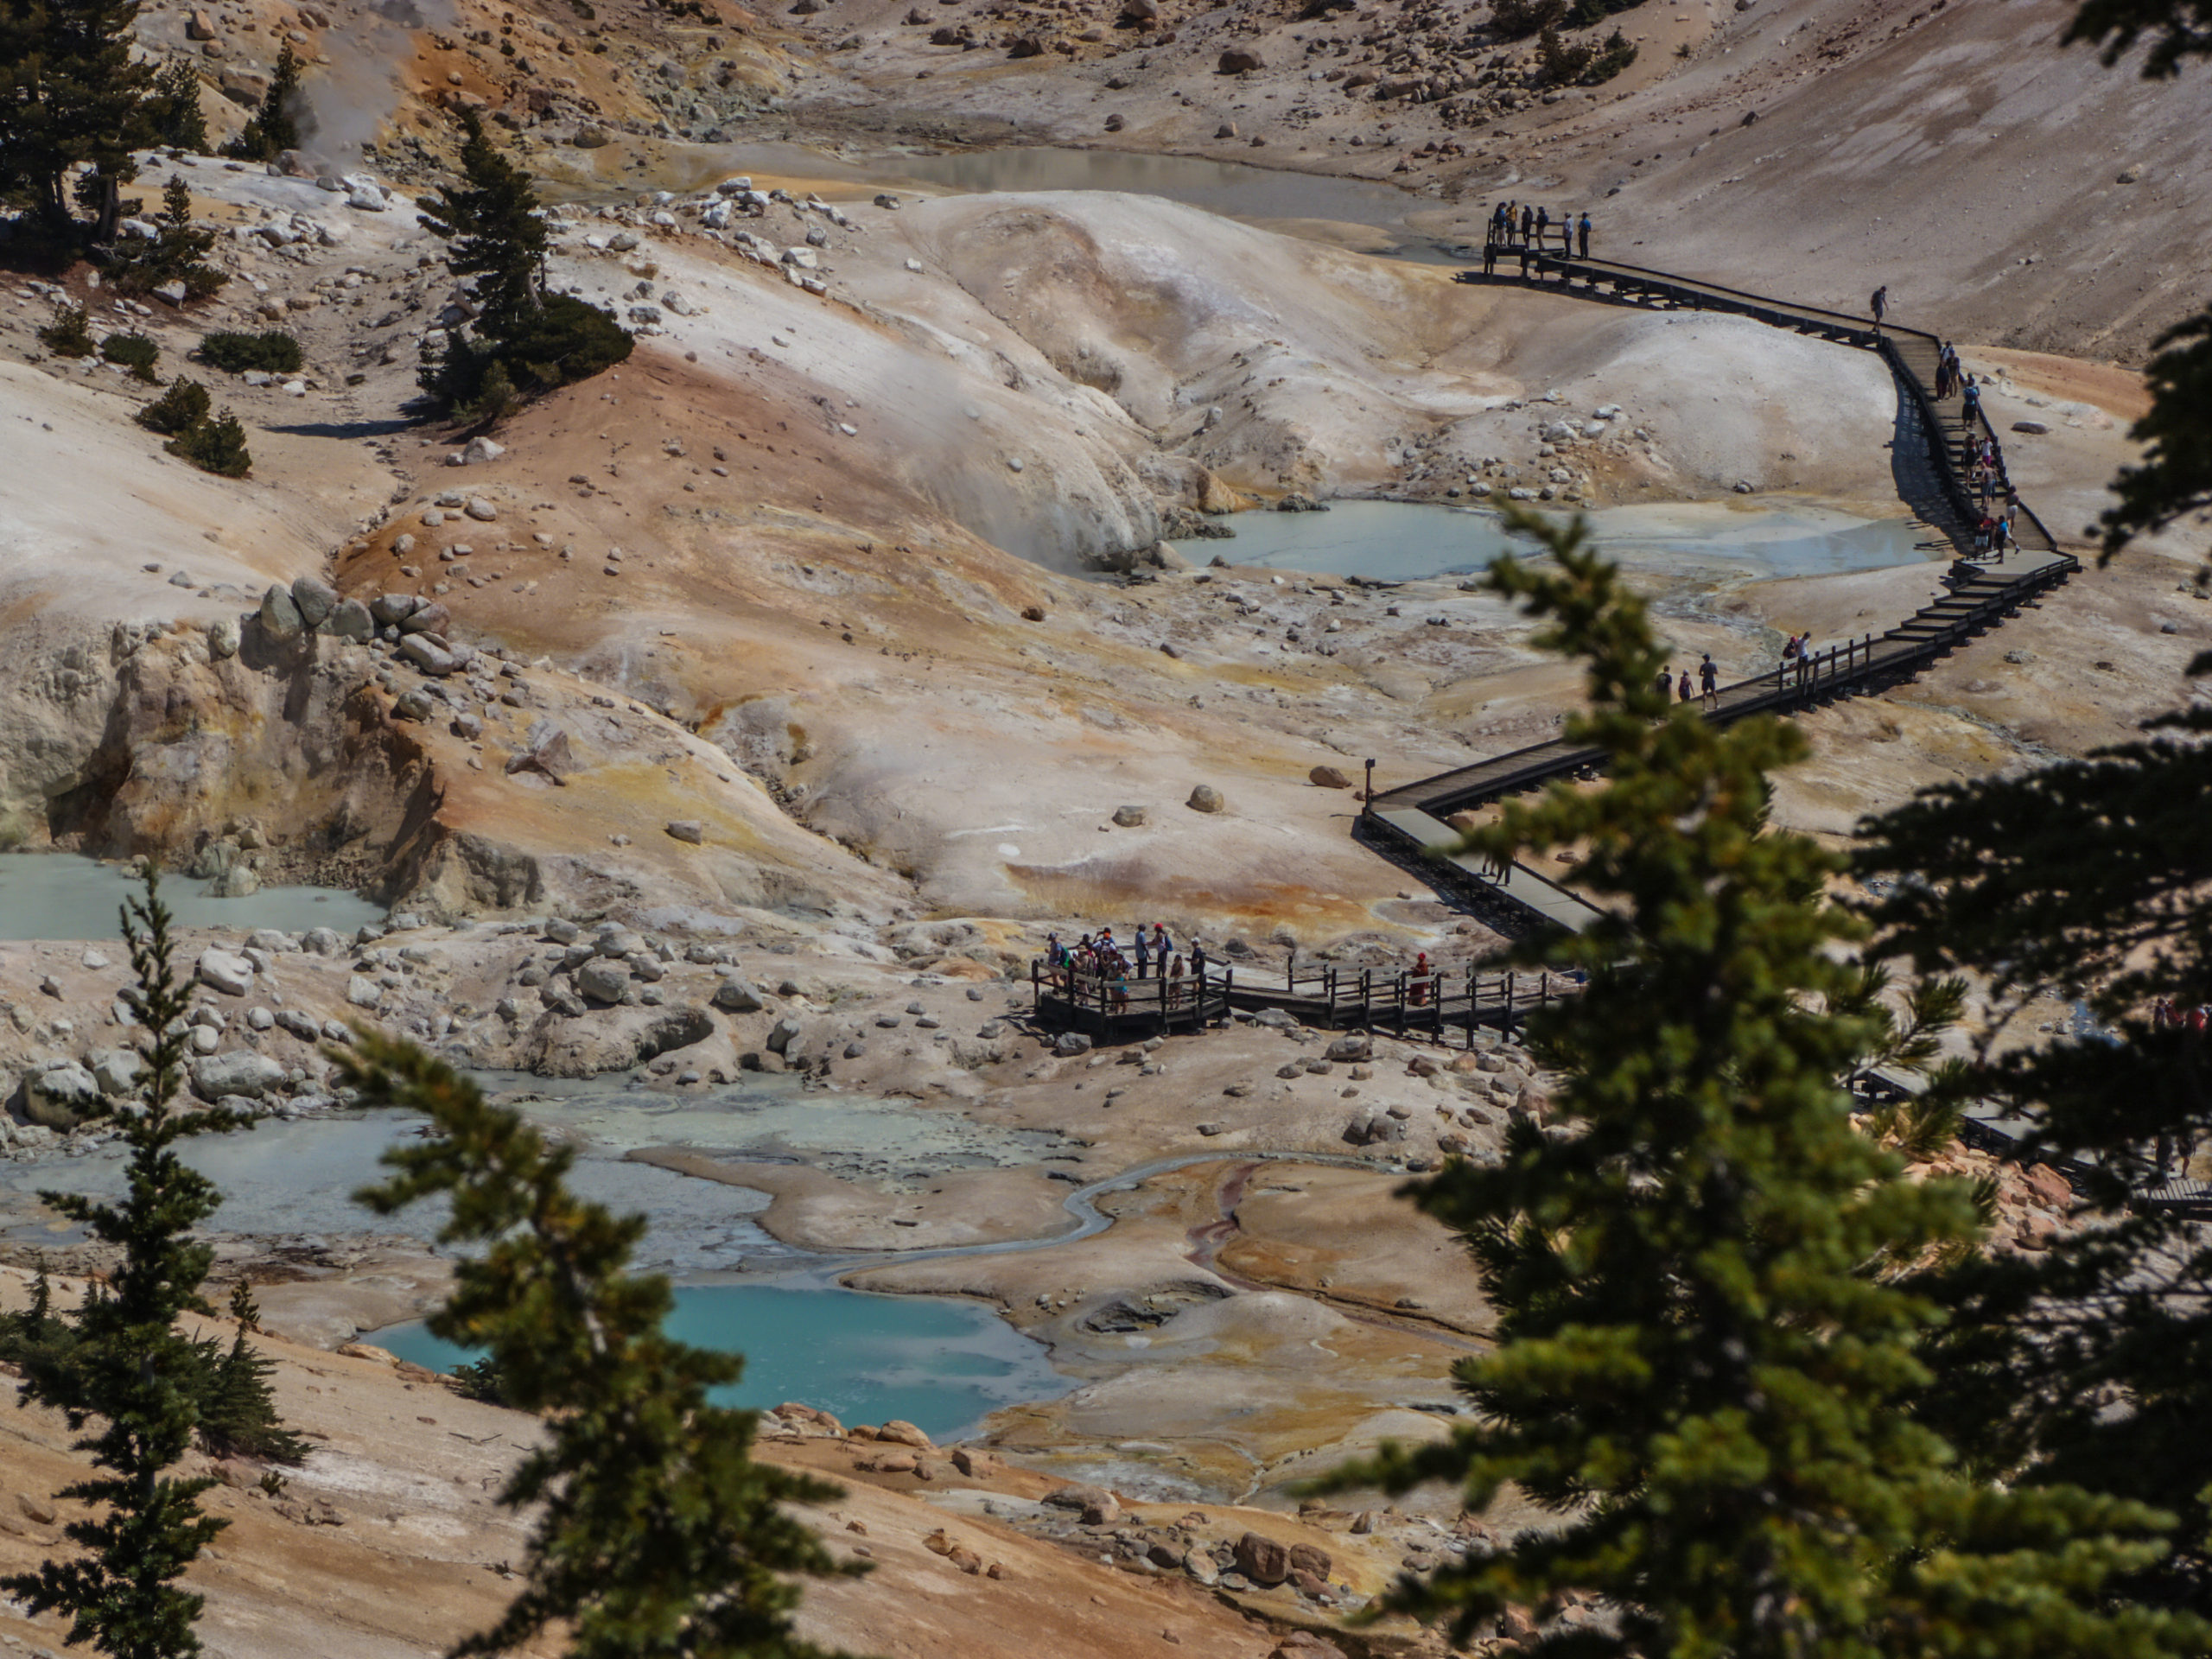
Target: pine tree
[275, 127]
[70, 333]
[178, 252]
[175, 109]
[71, 94]
[2090, 1362]
[492, 224]
[130, 1370]
[1703, 1360]
[177, 410]
[658, 1536]
[526, 340]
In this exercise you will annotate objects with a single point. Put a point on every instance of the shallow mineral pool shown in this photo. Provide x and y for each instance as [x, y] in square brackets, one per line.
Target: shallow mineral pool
[299, 1177]
[1395, 541]
[63, 896]
[940, 1364]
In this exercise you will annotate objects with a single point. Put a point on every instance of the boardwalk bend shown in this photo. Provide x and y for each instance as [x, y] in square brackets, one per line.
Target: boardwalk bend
[1406, 822]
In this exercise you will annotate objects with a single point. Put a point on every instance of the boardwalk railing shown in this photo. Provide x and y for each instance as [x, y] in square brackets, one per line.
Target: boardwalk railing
[1442, 1006]
[1118, 1009]
[1983, 590]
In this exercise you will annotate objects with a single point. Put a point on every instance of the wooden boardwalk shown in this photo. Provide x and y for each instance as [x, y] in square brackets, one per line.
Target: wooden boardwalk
[1983, 591]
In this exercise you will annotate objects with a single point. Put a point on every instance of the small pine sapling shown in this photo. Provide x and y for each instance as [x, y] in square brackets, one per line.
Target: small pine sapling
[70, 333]
[183, 406]
[217, 446]
[131, 1371]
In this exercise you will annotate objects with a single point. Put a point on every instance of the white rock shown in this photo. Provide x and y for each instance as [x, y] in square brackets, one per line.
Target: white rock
[221, 970]
[363, 992]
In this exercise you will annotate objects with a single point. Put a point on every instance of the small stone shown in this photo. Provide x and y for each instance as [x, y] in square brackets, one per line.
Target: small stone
[1129, 817]
[1328, 778]
[1206, 798]
[690, 829]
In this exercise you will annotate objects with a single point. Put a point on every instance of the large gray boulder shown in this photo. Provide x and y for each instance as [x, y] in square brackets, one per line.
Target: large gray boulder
[221, 970]
[61, 1095]
[315, 599]
[351, 621]
[238, 1072]
[280, 618]
[117, 1071]
[736, 995]
[603, 979]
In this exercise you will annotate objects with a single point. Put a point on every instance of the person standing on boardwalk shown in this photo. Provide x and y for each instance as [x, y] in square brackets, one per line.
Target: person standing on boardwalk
[1682, 690]
[1528, 220]
[1970, 407]
[1198, 965]
[1666, 686]
[1144, 953]
[1582, 229]
[1543, 224]
[1417, 986]
[1879, 305]
[1162, 946]
[1708, 678]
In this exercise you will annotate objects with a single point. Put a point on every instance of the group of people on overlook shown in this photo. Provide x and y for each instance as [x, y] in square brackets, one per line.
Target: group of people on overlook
[1522, 225]
[1101, 961]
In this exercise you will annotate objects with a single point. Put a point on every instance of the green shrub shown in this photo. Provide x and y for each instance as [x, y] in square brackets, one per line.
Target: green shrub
[70, 333]
[179, 409]
[216, 446]
[135, 351]
[563, 340]
[1518, 19]
[275, 351]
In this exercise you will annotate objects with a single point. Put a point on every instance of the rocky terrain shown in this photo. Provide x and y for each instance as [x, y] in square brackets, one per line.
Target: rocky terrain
[722, 738]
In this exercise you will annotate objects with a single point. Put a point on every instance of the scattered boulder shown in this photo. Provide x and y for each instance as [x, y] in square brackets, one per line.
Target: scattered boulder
[62, 1097]
[351, 621]
[280, 618]
[1328, 778]
[1206, 798]
[2033, 429]
[239, 1072]
[603, 980]
[904, 1434]
[690, 829]
[736, 995]
[1069, 1044]
[1263, 1560]
[1129, 817]
[1237, 60]
[314, 599]
[117, 1071]
[1350, 1049]
[219, 970]
[1087, 1501]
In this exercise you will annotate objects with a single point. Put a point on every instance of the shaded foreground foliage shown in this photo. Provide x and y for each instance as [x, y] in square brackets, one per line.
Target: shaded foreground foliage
[1707, 1359]
[660, 1537]
[124, 1366]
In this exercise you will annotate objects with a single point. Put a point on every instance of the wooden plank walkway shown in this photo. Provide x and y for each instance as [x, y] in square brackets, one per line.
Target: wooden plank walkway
[1984, 591]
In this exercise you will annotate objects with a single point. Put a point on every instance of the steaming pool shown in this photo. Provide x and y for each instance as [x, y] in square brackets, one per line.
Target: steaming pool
[64, 896]
[1679, 542]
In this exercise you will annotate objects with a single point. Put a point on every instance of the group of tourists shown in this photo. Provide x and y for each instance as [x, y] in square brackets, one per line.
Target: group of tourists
[2164, 1016]
[1104, 965]
[1707, 688]
[1523, 225]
